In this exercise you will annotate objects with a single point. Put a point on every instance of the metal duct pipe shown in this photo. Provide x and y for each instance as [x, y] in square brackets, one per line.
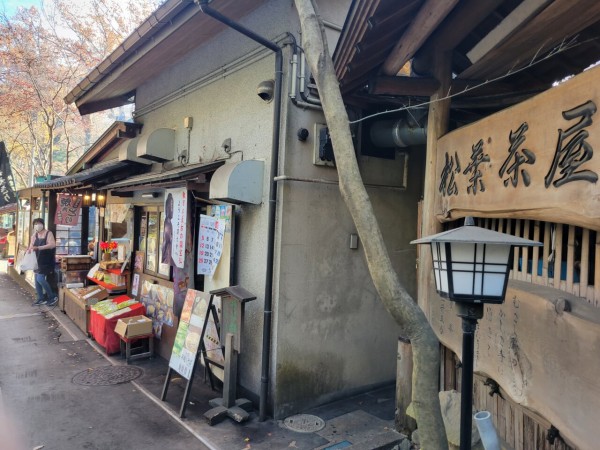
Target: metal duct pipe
[397, 133]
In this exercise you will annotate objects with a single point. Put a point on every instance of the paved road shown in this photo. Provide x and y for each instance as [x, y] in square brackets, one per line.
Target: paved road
[38, 362]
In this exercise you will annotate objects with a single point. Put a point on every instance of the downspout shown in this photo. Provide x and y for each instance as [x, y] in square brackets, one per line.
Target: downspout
[266, 350]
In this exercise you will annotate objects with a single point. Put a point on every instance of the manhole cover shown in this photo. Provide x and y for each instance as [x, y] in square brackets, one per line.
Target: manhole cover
[304, 423]
[107, 375]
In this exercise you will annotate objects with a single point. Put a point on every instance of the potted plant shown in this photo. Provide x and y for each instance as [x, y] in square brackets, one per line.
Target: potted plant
[107, 249]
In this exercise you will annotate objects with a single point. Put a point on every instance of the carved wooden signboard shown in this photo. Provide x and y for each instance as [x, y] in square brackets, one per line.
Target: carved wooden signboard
[543, 357]
[537, 160]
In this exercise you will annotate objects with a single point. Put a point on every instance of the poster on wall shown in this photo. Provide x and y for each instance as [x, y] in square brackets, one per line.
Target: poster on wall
[117, 212]
[210, 244]
[68, 208]
[138, 264]
[187, 340]
[158, 301]
[135, 286]
[174, 227]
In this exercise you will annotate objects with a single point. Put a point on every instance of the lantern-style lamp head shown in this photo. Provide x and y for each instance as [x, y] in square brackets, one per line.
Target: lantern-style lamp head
[101, 199]
[472, 264]
[87, 199]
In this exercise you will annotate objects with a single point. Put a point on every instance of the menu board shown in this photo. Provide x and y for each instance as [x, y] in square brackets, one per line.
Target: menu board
[187, 340]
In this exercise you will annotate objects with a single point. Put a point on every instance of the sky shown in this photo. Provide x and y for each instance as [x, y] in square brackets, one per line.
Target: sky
[10, 6]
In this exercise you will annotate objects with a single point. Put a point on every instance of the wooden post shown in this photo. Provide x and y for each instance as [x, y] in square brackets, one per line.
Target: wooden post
[230, 379]
[404, 368]
[437, 126]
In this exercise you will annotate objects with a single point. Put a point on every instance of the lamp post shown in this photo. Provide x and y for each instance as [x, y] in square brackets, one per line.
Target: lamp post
[471, 267]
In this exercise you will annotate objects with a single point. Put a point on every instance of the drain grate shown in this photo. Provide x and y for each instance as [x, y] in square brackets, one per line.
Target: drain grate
[107, 375]
[304, 423]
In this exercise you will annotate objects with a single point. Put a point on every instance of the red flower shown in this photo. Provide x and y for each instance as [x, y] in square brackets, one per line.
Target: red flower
[108, 247]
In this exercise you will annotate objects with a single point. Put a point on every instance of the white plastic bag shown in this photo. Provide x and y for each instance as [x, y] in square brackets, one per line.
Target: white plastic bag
[29, 262]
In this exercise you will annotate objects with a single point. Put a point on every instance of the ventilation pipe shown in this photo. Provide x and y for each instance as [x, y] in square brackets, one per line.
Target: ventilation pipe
[268, 305]
[397, 133]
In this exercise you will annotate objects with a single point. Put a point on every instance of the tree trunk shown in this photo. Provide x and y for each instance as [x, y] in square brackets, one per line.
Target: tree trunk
[395, 298]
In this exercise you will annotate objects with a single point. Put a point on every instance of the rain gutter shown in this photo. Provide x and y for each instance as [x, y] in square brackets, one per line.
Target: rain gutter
[268, 304]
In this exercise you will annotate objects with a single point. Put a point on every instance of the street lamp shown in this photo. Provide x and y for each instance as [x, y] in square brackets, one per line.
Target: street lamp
[471, 267]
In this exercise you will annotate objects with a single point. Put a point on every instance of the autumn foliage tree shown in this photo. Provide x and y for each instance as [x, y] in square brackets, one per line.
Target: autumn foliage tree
[44, 53]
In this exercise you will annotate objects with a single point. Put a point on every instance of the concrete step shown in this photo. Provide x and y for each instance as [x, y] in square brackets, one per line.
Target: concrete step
[359, 430]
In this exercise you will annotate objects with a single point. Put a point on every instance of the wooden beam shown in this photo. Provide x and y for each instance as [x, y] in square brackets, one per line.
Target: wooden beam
[428, 18]
[357, 26]
[512, 22]
[427, 86]
[560, 20]
[460, 22]
[437, 126]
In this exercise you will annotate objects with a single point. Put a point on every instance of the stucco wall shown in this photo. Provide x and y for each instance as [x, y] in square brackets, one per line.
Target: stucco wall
[226, 109]
[331, 336]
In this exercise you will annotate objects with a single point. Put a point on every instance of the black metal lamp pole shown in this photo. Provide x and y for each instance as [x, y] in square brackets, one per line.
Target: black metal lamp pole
[470, 314]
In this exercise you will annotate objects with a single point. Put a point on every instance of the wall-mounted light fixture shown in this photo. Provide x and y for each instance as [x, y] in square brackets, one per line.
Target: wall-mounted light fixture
[87, 199]
[150, 195]
[101, 199]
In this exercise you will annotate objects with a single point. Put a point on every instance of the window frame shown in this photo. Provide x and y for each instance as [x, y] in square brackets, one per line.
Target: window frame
[143, 242]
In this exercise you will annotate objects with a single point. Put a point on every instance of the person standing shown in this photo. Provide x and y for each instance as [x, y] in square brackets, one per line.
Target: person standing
[44, 246]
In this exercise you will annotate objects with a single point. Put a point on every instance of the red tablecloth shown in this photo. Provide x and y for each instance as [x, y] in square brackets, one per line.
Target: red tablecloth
[103, 329]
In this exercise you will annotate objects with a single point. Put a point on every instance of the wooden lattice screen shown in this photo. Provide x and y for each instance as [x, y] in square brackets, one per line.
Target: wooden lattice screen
[573, 252]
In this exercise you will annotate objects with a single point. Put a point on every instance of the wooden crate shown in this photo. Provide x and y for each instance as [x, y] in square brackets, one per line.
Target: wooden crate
[61, 299]
[78, 262]
[78, 310]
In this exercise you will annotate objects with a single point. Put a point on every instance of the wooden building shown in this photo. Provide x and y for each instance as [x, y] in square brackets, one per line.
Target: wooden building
[508, 95]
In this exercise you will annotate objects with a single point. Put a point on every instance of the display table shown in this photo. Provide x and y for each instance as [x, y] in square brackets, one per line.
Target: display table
[103, 329]
[110, 287]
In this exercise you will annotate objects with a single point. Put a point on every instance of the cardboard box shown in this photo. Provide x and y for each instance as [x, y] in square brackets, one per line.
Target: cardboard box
[134, 326]
[90, 294]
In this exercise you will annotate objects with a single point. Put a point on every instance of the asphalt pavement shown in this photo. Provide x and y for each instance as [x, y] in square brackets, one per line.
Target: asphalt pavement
[62, 392]
[41, 365]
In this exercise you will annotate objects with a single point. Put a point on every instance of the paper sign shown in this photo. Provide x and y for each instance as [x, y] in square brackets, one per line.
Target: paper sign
[210, 244]
[174, 227]
[135, 285]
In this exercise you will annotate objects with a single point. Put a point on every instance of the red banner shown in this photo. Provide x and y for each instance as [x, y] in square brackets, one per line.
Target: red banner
[67, 209]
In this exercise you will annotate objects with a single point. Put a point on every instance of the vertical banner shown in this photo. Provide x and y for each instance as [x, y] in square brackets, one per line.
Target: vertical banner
[182, 275]
[210, 244]
[7, 182]
[175, 227]
[68, 208]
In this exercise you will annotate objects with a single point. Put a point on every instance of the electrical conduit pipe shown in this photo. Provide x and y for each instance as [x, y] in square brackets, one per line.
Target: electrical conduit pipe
[487, 432]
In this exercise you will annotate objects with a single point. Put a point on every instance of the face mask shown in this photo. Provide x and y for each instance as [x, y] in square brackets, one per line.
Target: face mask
[39, 227]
